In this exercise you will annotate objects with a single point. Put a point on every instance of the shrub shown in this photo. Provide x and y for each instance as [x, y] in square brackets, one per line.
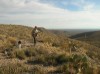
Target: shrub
[87, 71]
[63, 68]
[64, 45]
[23, 53]
[12, 54]
[40, 59]
[51, 60]
[13, 69]
[30, 52]
[20, 54]
[61, 59]
[38, 70]
[56, 44]
[12, 40]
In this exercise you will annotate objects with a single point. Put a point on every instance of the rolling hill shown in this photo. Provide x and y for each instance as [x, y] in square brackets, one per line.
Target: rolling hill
[92, 38]
[53, 53]
[71, 32]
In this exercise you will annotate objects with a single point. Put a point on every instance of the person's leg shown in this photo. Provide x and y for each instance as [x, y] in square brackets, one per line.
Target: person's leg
[34, 41]
[34, 37]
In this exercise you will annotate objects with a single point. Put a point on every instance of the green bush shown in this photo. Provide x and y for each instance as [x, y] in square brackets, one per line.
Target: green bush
[40, 59]
[49, 60]
[20, 54]
[61, 59]
[73, 62]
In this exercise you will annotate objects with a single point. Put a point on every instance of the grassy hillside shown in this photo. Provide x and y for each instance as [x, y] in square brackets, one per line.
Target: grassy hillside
[24, 33]
[21, 32]
[52, 54]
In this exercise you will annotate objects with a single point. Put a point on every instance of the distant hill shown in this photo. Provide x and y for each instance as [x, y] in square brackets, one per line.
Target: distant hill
[71, 32]
[92, 38]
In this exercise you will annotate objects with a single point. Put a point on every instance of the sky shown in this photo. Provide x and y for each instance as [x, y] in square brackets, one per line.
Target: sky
[52, 14]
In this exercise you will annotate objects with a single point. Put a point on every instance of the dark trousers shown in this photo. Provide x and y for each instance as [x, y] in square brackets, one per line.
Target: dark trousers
[34, 40]
[34, 37]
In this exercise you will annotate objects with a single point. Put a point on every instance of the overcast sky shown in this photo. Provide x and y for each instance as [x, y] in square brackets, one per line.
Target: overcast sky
[67, 14]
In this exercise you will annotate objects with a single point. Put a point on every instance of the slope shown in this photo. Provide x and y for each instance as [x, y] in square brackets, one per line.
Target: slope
[50, 55]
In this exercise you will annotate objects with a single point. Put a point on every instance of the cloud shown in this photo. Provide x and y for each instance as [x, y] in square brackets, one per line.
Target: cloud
[88, 7]
[29, 12]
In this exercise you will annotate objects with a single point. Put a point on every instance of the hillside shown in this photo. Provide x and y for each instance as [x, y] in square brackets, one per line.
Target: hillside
[52, 54]
[92, 38]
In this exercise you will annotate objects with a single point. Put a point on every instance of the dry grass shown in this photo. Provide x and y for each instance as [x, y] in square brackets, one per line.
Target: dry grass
[50, 55]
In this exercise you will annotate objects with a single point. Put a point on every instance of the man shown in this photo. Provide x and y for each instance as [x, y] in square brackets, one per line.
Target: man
[35, 32]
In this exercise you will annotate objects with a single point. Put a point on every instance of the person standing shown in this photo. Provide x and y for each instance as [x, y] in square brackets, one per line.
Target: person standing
[35, 32]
